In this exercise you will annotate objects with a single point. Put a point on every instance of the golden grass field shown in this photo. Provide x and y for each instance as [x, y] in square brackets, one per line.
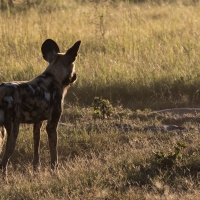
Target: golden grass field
[139, 56]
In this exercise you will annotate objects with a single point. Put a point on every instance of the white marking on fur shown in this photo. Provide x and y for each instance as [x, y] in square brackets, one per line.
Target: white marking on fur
[1, 116]
[14, 85]
[47, 96]
[8, 99]
[31, 88]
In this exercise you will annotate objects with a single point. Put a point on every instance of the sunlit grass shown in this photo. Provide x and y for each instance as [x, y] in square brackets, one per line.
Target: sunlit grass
[130, 53]
[147, 54]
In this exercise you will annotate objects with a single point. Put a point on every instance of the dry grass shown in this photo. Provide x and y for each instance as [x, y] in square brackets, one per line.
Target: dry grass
[139, 56]
[103, 164]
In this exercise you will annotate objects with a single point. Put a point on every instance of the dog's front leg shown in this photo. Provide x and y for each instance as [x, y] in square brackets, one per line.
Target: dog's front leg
[51, 128]
[36, 138]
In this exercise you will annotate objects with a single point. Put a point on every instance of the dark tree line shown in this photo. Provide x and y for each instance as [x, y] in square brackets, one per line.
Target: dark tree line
[4, 4]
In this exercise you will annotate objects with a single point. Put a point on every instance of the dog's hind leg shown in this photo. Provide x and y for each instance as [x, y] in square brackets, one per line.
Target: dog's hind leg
[36, 138]
[12, 127]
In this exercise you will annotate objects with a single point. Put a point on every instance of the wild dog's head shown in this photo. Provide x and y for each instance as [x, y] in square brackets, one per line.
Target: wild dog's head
[61, 65]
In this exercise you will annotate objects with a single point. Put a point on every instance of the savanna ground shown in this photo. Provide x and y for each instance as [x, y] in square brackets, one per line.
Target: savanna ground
[141, 56]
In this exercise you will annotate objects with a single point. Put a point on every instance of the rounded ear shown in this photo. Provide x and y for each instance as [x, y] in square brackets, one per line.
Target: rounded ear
[49, 49]
[72, 52]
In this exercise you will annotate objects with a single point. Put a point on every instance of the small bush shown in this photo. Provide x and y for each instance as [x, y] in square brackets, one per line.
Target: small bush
[102, 107]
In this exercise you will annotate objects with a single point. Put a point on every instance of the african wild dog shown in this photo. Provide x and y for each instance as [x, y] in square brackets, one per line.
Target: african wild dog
[38, 100]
